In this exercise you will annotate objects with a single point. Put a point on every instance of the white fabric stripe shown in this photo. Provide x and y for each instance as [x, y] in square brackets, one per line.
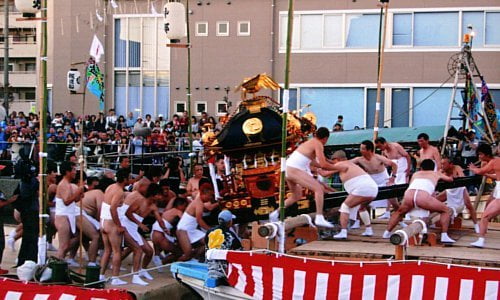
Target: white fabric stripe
[259, 285]
[321, 286]
[41, 297]
[242, 278]
[369, 287]
[277, 283]
[345, 287]
[491, 291]
[13, 296]
[441, 289]
[466, 289]
[299, 284]
[67, 297]
[417, 287]
[392, 287]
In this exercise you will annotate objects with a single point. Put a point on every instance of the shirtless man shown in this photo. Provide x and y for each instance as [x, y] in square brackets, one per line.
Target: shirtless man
[491, 168]
[112, 229]
[91, 227]
[397, 154]
[164, 241]
[375, 165]
[140, 206]
[298, 174]
[192, 185]
[420, 195]
[188, 234]
[51, 205]
[360, 186]
[65, 199]
[427, 151]
[456, 198]
[168, 196]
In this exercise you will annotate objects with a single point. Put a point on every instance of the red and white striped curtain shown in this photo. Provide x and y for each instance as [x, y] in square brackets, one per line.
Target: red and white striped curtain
[17, 290]
[264, 276]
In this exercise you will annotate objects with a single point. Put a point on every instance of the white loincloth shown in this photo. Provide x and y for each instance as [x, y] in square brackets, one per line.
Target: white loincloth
[91, 219]
[422, 184]
[402, 167]
[131, 227]
[68, 211]
[362, 185]
[299, 161]
[156, 227]
[189, 224]
[455, 198]
[381, 180]
[496, 192]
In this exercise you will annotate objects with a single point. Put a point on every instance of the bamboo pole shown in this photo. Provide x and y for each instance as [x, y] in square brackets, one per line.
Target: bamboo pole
[43, 128]
[82, 166]
[285, 116]
[188, 94]
[380, 72]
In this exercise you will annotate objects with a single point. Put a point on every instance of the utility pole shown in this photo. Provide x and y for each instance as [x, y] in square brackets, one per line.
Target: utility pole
[6, 58]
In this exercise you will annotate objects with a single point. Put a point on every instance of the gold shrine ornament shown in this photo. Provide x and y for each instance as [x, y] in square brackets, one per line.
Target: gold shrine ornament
[252, 126]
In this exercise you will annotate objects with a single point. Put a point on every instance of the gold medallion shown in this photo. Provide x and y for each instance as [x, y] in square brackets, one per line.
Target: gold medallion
[252, 126]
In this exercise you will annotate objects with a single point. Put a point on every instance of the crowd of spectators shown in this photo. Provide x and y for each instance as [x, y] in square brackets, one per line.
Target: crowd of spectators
[104, 135]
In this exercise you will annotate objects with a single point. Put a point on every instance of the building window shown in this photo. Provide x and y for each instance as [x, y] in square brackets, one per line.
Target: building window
[371, 101]
[310, 36]
[223, 28]
[221, 108]
[327, 103]
[180, 107]
[11, 66]
[476, 19]
[200, 106]
[30, 67]
[362, 30]
[244, 28]
[492, 34]
[435, 29]
[30, 95]
[201, 28]
[400, 114]
[332, 36]
[402, 30]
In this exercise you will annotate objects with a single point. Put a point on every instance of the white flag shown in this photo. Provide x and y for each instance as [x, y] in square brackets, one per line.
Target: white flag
[98, 16]
[113, 4]
[153, 10]
[96, 50]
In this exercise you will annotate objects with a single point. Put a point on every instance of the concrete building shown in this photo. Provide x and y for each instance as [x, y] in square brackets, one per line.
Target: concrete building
[23, 53]
[334, 58]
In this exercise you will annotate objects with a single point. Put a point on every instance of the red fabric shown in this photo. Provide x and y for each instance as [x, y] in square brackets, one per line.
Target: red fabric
[30, 290]
[361, 280]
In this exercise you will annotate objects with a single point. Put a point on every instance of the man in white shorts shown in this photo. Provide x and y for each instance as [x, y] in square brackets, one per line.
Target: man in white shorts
[360, 186]
[298, 174]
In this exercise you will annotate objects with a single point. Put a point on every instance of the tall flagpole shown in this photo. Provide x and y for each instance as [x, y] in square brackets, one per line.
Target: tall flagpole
[285, 116]
[188, 92]
[380, 70]
[43, 131]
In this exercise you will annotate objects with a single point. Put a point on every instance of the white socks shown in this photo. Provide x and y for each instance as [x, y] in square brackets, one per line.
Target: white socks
[446, 239]
[92, 264]
[158, 263]
[342, 235]
[145, 274]
[479, 243]
[274, 216]
[72, 263]
[403, 224]
[355, 225]
[320, 221]
[118, 281]
[476, 228]
[136, 279]
[365, 217]
[368, 232]
[386, 235]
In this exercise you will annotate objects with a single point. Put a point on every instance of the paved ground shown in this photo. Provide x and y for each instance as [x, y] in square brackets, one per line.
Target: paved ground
[162, 286]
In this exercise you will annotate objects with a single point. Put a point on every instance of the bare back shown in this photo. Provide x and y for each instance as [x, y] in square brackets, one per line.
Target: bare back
[114, 190]
[171, 214]
[92, 201]
[349, 170]
[394, 151]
